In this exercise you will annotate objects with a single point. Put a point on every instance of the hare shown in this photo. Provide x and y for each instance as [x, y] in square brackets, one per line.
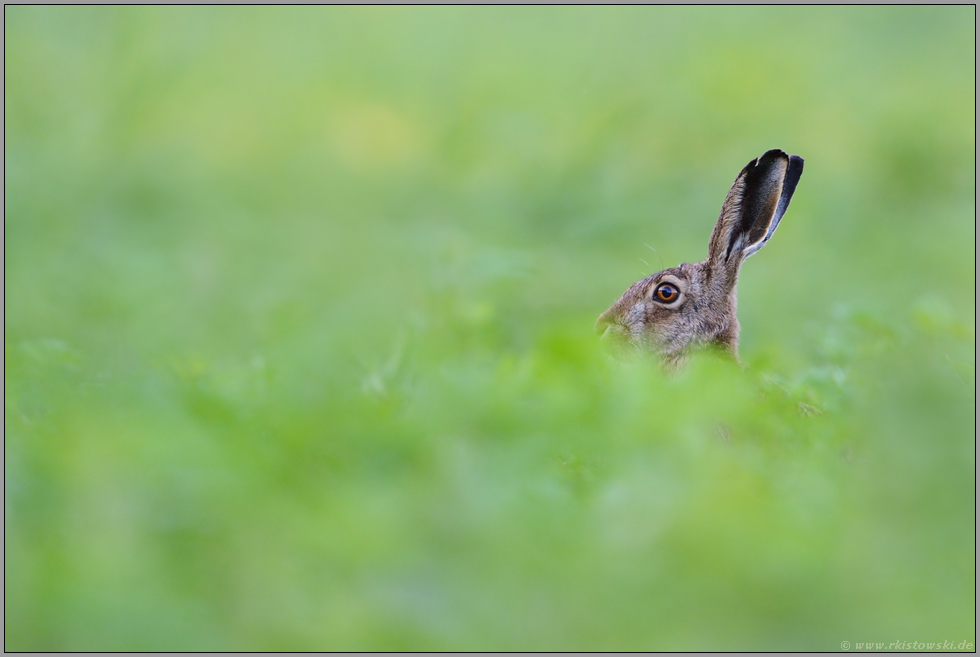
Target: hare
[693, 305]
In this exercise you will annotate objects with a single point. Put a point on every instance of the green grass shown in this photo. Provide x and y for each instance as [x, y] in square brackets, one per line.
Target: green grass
[298, 348]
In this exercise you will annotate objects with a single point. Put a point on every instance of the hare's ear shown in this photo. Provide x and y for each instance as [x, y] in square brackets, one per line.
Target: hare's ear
[751, 212]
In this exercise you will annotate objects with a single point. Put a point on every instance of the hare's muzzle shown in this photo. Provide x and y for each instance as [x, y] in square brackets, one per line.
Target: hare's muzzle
[614, 338]
[610, 331]
[604, 323]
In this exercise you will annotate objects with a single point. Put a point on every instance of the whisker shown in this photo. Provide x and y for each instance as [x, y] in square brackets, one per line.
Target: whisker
[657, 252]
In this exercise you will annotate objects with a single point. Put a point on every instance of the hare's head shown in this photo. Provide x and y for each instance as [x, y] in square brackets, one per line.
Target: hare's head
[678, 309]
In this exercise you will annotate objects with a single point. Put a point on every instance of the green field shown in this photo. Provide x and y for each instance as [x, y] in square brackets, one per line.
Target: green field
[298, 329]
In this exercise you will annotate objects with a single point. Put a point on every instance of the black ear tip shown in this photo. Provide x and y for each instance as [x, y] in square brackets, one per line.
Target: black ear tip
[767, 158]
[795, 169]
[774, 153]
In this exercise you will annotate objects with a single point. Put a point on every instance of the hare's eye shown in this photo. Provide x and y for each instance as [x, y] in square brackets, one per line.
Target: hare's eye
[666, 293]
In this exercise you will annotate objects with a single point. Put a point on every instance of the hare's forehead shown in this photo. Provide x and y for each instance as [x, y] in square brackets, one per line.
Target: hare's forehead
[682, 273]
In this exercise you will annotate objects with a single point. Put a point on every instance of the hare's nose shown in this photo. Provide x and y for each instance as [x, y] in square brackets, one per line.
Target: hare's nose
[604, 322]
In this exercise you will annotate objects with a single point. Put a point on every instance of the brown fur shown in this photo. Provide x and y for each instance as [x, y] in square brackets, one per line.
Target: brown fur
[705, 313]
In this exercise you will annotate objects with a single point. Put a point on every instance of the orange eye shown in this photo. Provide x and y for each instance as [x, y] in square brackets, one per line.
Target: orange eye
[666, 293]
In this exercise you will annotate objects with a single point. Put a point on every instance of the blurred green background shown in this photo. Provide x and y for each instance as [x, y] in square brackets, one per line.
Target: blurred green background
[298, 347]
